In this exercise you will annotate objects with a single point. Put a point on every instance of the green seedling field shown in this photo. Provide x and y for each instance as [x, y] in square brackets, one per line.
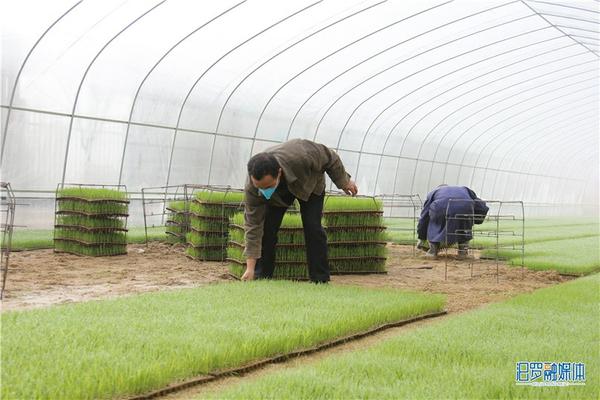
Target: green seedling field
[469, 356]
[131, 345]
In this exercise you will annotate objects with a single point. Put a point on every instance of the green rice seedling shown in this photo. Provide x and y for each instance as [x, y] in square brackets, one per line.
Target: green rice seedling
[290, 237]
[213, 210]
[178, 218]
[371, 250]
[290, 254]
[90, 222]
[206, 239]
[208, 225]
[238, 219]
[206, 253]
[92, 193]
[84, 207]
[290, 271]
[87, 250]
[356, 235]
[479, 349]
[291, 221]
[32, 239]
[121, 347]
[220, 197]
[237, 235]
[138, 234]
[178, 206]
[236, 269]
[178, 223]
[572, 256]
[353, 219]
[174, 239]
[177, 229]
[364, 265]
[91, 237]
[347, 203]
[236, 253]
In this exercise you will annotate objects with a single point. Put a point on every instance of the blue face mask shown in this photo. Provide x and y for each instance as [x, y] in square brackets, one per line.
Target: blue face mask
[267, 193]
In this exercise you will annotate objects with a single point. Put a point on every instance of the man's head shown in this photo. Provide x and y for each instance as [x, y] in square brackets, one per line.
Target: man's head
[264, 170]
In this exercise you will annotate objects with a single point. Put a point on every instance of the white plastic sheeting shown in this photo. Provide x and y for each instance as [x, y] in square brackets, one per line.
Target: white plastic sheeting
[501, 96]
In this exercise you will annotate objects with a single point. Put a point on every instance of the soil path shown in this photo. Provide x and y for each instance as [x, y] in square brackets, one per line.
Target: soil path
[41, 277]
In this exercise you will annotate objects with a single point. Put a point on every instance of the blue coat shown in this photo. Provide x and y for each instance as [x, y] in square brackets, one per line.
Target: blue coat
[432, 223]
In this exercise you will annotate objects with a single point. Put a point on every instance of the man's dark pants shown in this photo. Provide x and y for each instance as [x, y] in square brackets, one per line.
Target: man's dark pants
[314, 236]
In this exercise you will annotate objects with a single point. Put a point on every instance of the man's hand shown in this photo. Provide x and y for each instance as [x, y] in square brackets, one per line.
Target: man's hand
[351, 188]
[249, 273]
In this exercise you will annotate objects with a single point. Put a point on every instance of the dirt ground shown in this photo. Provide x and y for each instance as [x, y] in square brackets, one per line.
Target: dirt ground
[41, 278]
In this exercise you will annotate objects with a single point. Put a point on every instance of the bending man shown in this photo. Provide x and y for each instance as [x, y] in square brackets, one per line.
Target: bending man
[277, 176]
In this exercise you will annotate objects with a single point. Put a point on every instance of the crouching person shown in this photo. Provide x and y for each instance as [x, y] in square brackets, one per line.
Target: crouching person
[433, 226]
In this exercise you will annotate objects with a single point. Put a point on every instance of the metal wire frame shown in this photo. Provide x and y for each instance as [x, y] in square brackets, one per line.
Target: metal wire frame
[168, 193]
[233, 49]
[388, 136]
[482, 134]
[14, 89]
[496, 233]
[340, 137]
[501, 135]
[207, 132]
[593, 142]
[575, 28]
[370, 34]
[391, 131]
[456, 140]
[585, 37]
[552, 195]
[8, 203]
[212, 149]
[393, 65]
[191, 189]
[364, 61]
[62, 185]
[403, 201]
[448, 131]
[355, 110]
[543, 16]
[469, 116]
[563, 5]
[85, 75]
[590, 141]
[553, 114]
[137, 92]
[589, 145]
[513, 148]
[286, 49]
[458, 175]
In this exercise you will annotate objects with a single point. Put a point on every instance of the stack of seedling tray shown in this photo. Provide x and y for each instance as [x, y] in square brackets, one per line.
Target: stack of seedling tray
[91, 221]
[178, 221]
[209, 214]
[355, 234]
[290, 253]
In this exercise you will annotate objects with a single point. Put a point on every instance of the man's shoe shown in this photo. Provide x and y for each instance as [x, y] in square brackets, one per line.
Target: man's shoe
[463, 250]
[422, 245]
[433, 251]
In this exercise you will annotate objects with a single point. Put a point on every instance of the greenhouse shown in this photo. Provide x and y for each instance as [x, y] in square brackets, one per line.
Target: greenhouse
[413, 188]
